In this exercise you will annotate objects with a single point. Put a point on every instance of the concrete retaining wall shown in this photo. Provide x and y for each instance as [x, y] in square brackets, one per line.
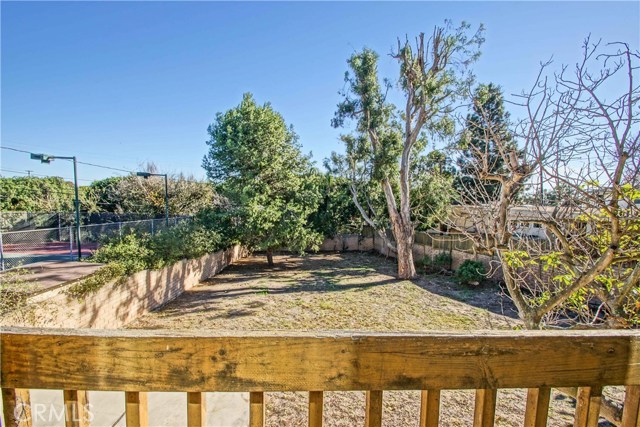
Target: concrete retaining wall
[114, 305]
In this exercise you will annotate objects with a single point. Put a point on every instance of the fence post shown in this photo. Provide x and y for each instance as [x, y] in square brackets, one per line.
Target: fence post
[120, 229]
[1, 252]
[152, 227]
[70, 241]
[59, 229]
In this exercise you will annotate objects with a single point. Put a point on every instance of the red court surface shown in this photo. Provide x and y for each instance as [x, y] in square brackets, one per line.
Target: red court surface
[48, 248]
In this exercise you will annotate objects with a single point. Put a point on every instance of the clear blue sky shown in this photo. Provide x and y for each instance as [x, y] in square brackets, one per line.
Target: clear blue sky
[124, 83]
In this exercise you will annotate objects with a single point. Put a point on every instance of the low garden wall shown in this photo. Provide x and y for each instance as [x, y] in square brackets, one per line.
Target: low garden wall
[117, 303]
[356, 242]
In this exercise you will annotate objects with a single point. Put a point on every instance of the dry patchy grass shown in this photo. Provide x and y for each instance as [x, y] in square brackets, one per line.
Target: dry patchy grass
[356, 292]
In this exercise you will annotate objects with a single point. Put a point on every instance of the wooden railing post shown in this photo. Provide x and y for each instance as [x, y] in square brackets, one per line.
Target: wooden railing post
[631, 412]
[196, 409]
[537, 407]
[588, 406]
[485, 409]
[373, 414]
[429, 408]
[315, 408]
[137, 411]
[256, 409]
[16, 406]
[75, 408]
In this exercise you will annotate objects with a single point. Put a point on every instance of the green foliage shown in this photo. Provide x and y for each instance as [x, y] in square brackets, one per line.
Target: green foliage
[135, 252]
[14, 291]
[132, 193]
[470, 272]
[384, 149]
[435, 264]
[254, 160]
[93, 282]
[184, 241]
[336, 213]
[125, 194]
[431, 191]
[130, 251]
[34, 194]
[479, 152]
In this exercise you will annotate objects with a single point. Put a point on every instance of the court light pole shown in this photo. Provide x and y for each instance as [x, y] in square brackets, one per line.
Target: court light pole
[46, 158]
[146, 175]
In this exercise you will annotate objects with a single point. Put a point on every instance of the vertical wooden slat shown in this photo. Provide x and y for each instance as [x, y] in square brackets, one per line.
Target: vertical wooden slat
[588, 406]
[137, 409]
[256, 409]
[16, 406]
[196, 409]
[430, 408]
[75, 408]
[373, 414]
[537, 407]
[631, 412]
[485, 409]
[315, 408]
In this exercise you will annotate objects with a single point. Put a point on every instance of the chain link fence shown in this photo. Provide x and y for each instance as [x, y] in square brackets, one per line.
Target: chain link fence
[59, 243]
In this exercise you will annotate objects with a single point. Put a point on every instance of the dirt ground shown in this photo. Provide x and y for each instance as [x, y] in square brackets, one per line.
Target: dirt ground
[356, 292]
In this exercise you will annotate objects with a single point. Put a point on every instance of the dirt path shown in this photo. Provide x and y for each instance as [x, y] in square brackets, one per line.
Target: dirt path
[349, 291]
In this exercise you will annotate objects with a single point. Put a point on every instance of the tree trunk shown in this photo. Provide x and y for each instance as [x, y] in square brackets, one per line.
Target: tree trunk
[404, 246]
[270, 257]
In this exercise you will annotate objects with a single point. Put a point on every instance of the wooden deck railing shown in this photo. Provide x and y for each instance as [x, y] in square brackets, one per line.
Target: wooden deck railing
[136, 362]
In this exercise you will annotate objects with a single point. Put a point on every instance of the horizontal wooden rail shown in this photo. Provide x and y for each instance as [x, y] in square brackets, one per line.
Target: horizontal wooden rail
[139, 361]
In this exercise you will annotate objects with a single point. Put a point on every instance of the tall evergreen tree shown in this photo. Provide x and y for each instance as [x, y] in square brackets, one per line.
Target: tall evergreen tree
[255, 161]
[487, 123]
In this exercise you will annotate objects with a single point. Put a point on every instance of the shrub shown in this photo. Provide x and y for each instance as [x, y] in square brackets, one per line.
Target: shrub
[130, 251]
[14, 290]
[470, 272]
[134, 251]
[95, 281]
[186, 240]
[437, 263]
[443, 260]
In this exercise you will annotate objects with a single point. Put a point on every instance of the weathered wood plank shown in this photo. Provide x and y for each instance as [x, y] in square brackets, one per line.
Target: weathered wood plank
[537, 409]
[429, 408]
[256, 409]
[485, 409]
[137, 409]
[196, 409]
[631, 412]
[588, 406]
[16, 406]
[315, 408]
[373, 411]
[162, 361]
[75, 408]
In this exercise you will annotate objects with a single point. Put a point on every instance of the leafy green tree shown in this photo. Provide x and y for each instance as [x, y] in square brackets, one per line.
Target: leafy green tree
[33, 194]
[255, 162]
[479, 152]
[386, 140]
[106, 192]
[131, 193]
[432, 189]
[336, 213]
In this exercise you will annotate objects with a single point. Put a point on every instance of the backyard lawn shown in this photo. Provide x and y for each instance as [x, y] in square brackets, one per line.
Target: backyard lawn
[354, 292]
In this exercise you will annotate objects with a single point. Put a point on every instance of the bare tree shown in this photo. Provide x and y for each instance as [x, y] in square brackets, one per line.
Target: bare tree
[574, 261]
